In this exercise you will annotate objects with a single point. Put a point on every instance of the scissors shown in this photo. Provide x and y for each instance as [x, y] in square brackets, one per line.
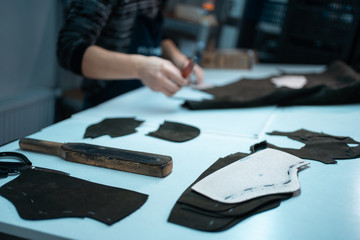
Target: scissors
[23, 163]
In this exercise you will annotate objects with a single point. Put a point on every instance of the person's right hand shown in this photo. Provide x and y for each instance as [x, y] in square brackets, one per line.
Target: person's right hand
[160, 75]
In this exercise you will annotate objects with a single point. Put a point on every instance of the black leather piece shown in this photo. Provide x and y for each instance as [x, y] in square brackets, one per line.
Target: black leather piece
[320, 147]
[191, 217]
[306, 136]
[39, 195]
[175, 132]
[338, 84]
[114, 127]
[196, 211]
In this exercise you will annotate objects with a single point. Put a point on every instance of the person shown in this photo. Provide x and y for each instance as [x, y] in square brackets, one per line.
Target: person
[118, 46]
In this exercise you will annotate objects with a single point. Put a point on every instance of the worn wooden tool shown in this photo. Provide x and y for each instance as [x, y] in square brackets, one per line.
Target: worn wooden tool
[125, 160]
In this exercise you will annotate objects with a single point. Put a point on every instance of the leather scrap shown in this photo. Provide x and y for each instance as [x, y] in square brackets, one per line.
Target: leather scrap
[320, 147]
[338, 84]
[114, 127]
[175, 132]
[306, 136]
[39, 195]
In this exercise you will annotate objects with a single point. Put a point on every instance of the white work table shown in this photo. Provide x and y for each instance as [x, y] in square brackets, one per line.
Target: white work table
[327, 207]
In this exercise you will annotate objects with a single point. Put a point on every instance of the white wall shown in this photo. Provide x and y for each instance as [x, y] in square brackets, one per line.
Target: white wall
[28, 30]
[28, 65]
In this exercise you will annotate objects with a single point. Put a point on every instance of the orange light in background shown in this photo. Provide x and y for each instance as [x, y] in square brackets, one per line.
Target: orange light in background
[209, 5]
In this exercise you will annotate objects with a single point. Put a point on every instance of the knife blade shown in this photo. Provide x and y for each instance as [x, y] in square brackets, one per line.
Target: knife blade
[150, 164]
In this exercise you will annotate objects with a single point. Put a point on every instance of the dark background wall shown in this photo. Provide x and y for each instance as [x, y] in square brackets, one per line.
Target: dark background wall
[302, 31]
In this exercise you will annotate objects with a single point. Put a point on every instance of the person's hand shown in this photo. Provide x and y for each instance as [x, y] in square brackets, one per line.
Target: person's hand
[182, 61]
[160, 75]
[199, 73]
[171, 52]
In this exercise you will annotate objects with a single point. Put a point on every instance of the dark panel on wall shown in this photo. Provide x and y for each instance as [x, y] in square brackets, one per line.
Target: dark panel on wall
[303, 31]
[319, 31]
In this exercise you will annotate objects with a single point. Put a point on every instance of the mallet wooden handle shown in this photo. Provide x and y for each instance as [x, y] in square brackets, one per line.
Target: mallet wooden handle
[120, 159]
[52, 148]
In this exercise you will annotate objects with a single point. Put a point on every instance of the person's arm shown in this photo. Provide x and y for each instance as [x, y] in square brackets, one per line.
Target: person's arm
[77, 51]
[156, 73]
[171, 52]
[83, 24]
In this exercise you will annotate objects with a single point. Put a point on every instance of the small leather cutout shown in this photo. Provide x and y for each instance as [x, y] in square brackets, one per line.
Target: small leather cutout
[175, 132]
[114, 127]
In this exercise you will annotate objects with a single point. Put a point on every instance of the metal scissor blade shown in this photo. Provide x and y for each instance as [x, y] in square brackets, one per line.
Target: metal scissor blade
[49, 170]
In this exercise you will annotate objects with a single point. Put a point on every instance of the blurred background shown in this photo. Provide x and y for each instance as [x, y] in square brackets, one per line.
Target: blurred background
[35, 92]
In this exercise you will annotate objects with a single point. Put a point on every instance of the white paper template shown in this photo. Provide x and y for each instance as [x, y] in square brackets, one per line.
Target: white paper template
[191, 93]
[290, 81]
[265, 172]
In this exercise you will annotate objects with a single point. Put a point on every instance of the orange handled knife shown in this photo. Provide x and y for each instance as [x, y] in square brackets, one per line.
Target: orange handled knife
[189, 67]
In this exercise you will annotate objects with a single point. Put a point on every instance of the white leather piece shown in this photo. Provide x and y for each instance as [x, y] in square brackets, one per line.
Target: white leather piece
[290, 81]
[263, 173]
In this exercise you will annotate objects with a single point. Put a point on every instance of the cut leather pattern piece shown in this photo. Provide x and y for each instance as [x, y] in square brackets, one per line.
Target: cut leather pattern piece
[114, 127]
[320, 147]
[338, 84]
[175, 132]
[202, 203]
[196, 211]
[186, 216]
[306, 136]
[325, 152]
[39, 195]
[263, 173]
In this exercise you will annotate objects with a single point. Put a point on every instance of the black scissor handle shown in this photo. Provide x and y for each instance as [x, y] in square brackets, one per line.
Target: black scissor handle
[13, 167]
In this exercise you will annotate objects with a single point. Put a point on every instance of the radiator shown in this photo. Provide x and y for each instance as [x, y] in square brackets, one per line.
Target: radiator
[26, 113]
